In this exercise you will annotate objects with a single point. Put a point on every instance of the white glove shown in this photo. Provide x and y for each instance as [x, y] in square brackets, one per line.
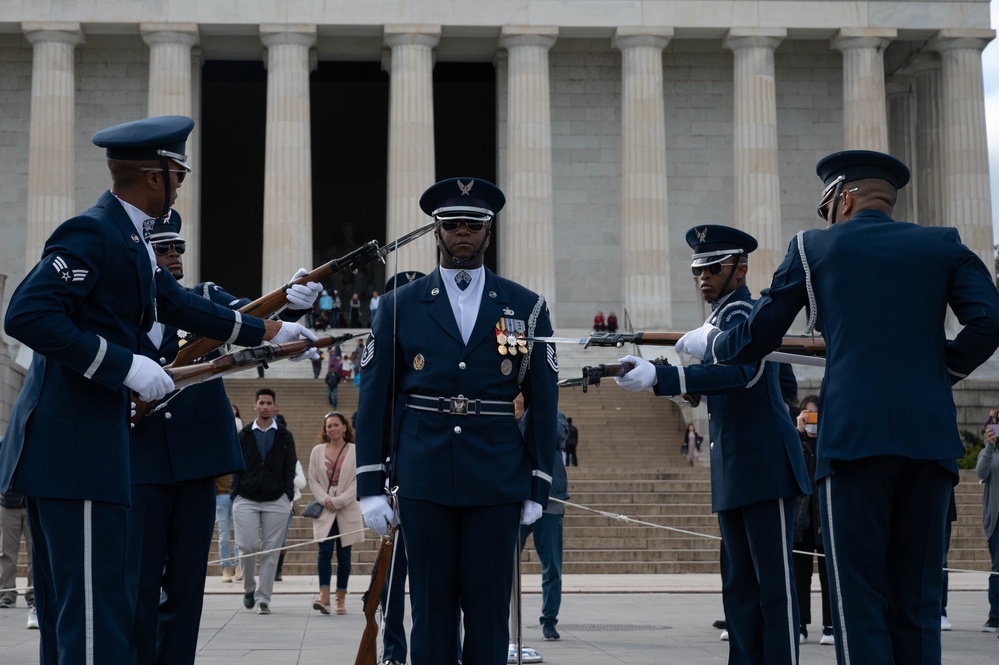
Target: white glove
[292, 331]
[148, 379]
[641, 376]
[311, 353]
[378, 514]
[301, 296]
[530, 512]
[695, 342]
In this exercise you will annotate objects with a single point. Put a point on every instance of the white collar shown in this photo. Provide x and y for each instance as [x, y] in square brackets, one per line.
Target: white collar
[273, 425]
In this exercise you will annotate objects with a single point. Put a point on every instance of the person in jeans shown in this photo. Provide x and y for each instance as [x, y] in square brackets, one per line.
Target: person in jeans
[262, 496]
[987, 471]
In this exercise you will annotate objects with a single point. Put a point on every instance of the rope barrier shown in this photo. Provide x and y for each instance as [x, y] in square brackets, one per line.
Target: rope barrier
[614, 516]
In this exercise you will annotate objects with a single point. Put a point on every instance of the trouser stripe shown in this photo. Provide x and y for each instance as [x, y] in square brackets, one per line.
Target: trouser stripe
[88, 578]
[844, 644]
[792, 630]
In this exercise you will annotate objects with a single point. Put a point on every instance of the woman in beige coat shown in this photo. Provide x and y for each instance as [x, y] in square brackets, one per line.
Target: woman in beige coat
[333, 481]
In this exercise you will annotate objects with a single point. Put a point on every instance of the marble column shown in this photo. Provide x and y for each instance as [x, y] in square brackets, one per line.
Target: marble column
[51, 132]
[527, 244]
[411, 155]
[756, 167]
[900, 91]
[645, 278]
[967, 200]
[171, 90]
[287, 234]
[864, 114]
[925, 69]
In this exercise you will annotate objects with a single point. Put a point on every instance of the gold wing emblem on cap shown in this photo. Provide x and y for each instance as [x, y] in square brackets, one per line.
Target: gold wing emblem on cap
[702, 234]
[465, 189]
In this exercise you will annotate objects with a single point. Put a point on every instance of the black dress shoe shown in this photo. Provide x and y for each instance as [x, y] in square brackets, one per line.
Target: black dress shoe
[248, 600]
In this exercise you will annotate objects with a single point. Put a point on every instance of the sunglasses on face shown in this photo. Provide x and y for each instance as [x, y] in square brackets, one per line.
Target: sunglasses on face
[713, 269]
[452, 224]
[163, 248]
[181, 173]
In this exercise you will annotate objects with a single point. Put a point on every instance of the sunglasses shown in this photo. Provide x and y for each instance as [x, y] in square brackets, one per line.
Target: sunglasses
[713, 269]
[163, 248]
[452, 224]
[181, 173]
[823, 207]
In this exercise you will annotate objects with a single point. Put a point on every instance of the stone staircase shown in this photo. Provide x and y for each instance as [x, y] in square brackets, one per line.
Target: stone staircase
[629, 465]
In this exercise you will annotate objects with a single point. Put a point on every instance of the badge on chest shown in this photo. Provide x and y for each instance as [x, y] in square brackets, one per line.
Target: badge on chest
[510, 335]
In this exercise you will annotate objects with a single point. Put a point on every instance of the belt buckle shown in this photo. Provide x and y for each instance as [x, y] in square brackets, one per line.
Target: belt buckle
[459, 406]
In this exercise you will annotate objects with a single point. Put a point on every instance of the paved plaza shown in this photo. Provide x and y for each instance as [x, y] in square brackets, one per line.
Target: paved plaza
[605, 620]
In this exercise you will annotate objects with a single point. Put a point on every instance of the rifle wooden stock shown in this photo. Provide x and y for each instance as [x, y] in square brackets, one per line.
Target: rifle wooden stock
[367, 651]
[792, 344]
[237, 361]
[267, 305]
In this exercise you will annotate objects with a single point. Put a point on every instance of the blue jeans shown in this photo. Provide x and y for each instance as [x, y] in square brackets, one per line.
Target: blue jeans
[548, 542]
[326, 561]
[223, 517]
[332, 395]
[994, 579]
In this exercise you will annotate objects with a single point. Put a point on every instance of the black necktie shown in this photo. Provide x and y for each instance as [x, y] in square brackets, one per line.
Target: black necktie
[462, 279]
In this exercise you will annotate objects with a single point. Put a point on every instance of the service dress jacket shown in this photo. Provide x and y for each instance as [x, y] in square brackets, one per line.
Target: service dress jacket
[881, 290]
[82, 310]
[754, 446]
[415, 348]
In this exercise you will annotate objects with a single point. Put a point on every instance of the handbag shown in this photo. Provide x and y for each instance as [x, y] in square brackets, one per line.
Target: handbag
[313, 509]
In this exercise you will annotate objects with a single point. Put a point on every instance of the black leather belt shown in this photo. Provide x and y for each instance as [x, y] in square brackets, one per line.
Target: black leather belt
[460, 405]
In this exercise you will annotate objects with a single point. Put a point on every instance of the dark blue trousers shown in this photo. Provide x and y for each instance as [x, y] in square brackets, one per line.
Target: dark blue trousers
[883, 529]
[395, 632]
[758, 592]
[171, 529]
[460, 558]
[82, 593]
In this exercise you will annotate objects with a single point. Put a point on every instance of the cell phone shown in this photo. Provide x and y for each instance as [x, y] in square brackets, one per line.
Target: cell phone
[994, 428]
[812, 418]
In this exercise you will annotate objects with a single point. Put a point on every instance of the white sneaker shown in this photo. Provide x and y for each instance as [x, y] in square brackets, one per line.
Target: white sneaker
[827, 636]
[32, 618]
[801, 638]
[945, 624]
[724, 636]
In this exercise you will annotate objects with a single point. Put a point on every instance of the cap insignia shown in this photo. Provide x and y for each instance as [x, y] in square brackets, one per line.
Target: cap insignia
[465, 189]
[702, 234]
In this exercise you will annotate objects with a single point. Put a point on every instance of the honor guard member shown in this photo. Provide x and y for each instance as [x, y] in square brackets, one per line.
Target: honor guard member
[757, 468]
[176, 454]
[394, 648]
[879, 291]
[83, 310]
[439, 373]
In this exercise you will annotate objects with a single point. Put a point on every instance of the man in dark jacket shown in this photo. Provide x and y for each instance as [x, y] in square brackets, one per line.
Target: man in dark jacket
[261, 497]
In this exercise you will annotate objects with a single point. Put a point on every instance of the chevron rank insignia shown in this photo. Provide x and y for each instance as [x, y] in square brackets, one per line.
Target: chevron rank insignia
[369, 351]
[552, 357]
[65, 274]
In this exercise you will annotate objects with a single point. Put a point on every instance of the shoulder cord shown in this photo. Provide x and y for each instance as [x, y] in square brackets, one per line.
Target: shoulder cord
[810, 326]
[742, 304]
[532, 322]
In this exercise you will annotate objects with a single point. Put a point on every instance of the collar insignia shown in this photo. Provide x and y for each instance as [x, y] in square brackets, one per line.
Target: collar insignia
[135, 238]
[465, 189]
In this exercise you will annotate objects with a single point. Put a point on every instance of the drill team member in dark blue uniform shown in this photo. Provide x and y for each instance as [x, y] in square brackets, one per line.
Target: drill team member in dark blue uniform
[438, 377]
[83, 309]
[757, 468]
[176, 453]
[878, 290]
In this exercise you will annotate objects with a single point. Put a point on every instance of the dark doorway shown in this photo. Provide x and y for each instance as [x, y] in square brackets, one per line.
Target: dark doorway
[233, 125]
[349, 170]
[465, 127]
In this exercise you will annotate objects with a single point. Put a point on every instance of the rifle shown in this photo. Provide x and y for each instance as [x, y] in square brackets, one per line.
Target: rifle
[805, 345]
[235, 361]
[593, 374]
[275, 301]
[367, 651]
